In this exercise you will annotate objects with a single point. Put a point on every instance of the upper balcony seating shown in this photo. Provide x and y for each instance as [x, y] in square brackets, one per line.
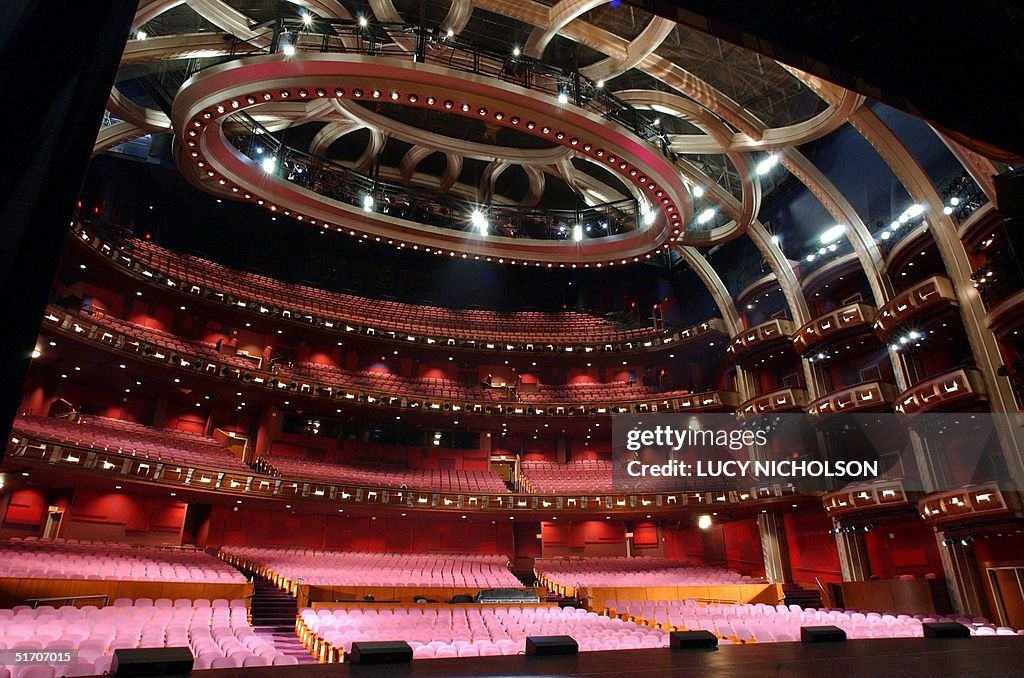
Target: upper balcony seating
[471, 632]
[442, 480]
[566, 327]
[347, 568]
[385, 382]
[595, 475]
[622, 571]
[763, 623]
[218, 633]
[134, 440]
[72, 559]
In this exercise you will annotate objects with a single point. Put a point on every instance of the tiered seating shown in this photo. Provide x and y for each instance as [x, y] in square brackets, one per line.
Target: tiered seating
[483, 482]
[329, 568]
[622, 571]
[766, 623]
[385, 382]
[590, 475]
[587, 393]
[218, 633]
[481, 325]
[470, 632]
[130, 439]
[73, 559]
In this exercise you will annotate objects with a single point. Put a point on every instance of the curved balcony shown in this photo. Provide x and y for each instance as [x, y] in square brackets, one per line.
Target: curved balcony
[45, 458]
[398, 322]
[915, 303]
[881, 495]
[244, 371]
[767, 336]
[783, 400]
[838, 324]
[867, 397]
[958, 388]
[985, 502]
[1007, 316]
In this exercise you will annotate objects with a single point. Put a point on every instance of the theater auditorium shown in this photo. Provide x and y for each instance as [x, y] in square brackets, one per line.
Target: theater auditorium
[325, 318]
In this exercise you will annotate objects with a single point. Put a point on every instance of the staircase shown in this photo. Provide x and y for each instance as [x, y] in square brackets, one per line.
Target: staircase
[273, 618]
[804, 595]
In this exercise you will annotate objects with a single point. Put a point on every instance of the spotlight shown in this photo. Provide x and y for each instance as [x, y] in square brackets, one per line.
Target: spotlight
[515, 51]
[450, 33]
[947, 210]
[886, 235]
[810, 258]
[288, 50]
[698, 191]
[704, 522]
[367, 203]
[363, 22]
[600, 84]
[649, 217]
[766, 165]
[141, 35]
[706, 216]
[776, 240]
[954, 201]
[307, 18]
[268, 165]
[36, 353]
[833, 233]
[479, 222]
[577, 232]
[563, 98]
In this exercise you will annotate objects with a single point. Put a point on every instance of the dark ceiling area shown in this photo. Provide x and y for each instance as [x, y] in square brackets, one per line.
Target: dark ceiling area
[937, 60]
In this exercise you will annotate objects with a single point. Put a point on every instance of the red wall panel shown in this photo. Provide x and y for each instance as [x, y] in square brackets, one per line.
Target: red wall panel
[812, 550]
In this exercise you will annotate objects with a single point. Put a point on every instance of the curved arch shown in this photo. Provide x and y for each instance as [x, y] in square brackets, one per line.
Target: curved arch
[115, 135]
[452, 170]
[228, 19]
[639, 49]
[537, 182]
[559, 16]
[413, 157]
[330, 133]
[458, 16]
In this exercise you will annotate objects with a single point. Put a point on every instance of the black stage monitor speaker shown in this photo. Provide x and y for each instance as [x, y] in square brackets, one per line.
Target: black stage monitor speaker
[157, 661]
[945, 630]
[382, 652]
[822, 634]
[693, 640]
[548, 645]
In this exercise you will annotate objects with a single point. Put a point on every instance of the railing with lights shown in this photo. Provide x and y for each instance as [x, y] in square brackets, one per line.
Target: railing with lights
[969, 504]
[762, 337]
[832, 326]
[186, 275]
[866, 397]
[914, 303]
[959, 387]
[86, 330]
[442, 210]
[44, 454]
[962, 197]
[883, 494]
[783, 400]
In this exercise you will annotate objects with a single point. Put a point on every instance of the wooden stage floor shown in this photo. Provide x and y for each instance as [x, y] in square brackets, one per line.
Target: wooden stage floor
[876, 658]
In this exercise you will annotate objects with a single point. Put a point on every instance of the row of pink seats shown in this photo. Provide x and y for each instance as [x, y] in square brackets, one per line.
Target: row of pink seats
[69, 559]
[340, 568]
[635, 571]
[444, 480]
[472, 632]
[134, 440]
[564, 326]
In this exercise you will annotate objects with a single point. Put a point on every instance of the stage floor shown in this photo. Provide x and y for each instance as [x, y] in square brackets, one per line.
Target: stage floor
[877, 658]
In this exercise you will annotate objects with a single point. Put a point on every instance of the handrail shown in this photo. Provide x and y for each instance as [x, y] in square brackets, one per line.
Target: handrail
[35, 601]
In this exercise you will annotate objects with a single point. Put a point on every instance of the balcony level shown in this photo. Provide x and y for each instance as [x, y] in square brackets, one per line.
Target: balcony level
[759, 339]
[841, 323]
[871, 396]
[881, 495]
[915, 304]
[950, 391]
[783, 400]
[983, 502]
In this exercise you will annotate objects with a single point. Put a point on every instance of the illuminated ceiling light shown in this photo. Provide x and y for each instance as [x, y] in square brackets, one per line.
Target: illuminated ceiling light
[141, 35]
[288, 50]
[268, 165]
[363, 22]
[367, 203]
[833, 233]
[704, 522]
[766, 165]
[810, 258]
[450, 33]
[515, 51]
[706, 216]
[36, 353]
[649, 217]
[886, 235]
[776, 240]
[479, 222]
[307, 18]
[915, 210]
[577, 232]
[563, 98]
[698, 191]
[947, 210]
[600, 84]
[954, 201]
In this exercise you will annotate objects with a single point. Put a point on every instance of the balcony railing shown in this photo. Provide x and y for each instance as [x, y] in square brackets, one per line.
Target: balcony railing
[959, 387]
[866, 397]
[300, 310]
[63, 459]
[759, 338]
[783, 400]
[832, 326]
[969, 504]
[914, 303]
[107, 338]
[879, 495]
